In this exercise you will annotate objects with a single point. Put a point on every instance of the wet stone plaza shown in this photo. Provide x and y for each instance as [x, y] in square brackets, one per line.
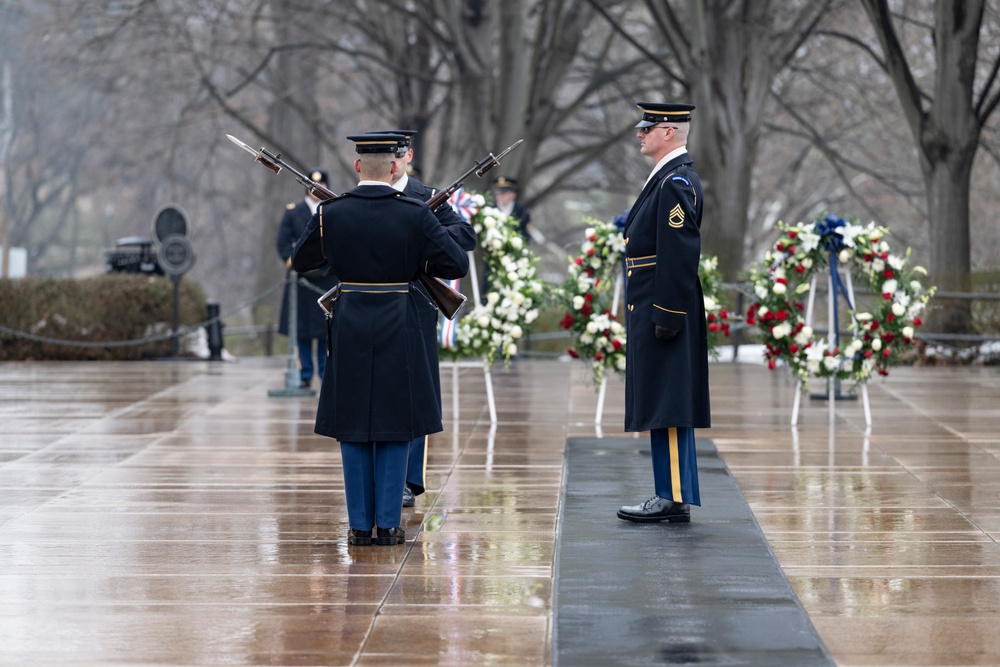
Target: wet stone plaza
[173, 513]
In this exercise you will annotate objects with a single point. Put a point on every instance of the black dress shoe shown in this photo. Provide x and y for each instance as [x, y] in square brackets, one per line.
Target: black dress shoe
[390, 536]
[359, 538]
[656, 509]
[408, 498]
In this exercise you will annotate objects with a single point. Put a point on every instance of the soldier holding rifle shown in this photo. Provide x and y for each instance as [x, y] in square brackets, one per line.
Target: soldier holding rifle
[465, 235]
[382, 391]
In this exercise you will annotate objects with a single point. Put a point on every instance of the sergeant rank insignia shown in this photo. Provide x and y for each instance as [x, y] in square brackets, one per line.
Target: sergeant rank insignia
[676, 219]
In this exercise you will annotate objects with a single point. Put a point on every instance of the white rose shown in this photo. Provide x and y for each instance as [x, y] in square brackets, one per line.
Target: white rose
[898, 309]
[516, 332]
[762, 311]
[588, 232]
[831, 363]
[844, 256]
[495, 323]
[710, 303]
[578, 302]
[516, 243]
[512, 349]
[595, 263]
[889, 287]
[807, 262]
[915, 285]
[492, 298]
[862, 317]
[760, 291]
[483, 321]
[531, 316]
[779, 288]
[877, 344]
[591, 327]
[489, 223]
[908, 332]
[518, 298]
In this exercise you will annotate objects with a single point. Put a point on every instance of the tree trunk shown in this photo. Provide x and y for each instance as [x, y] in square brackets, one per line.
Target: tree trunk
[948, 198]
[292, 108]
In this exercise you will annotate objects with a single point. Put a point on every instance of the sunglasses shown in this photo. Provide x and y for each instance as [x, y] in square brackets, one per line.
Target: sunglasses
[645, 130]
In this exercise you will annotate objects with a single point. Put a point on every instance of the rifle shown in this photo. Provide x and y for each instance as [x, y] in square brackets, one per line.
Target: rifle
[448, 299]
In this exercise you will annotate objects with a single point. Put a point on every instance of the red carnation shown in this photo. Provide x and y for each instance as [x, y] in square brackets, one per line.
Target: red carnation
[590, 252]
[588, 296]
[573, 354]
[800, 269]
[917, 321]
[711, 317]
[723, 313]
[890, 317]
[779, 247]
[793, 348]
[713, 327]
[579, 261]
[770, 364]
[782, 315]
[792, 235]
[617, 344]
[888, 273]
[598, 356]
[592, 238]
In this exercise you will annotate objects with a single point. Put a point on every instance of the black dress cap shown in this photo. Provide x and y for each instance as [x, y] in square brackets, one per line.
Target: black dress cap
[372, 142]
[654, 112]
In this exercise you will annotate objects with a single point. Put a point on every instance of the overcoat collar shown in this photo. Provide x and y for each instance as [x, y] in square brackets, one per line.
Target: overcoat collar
[654, 182]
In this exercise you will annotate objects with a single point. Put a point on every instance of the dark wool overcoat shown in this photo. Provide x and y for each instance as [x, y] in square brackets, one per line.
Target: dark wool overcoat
[383, 386]
[464, 235]
[310, 317]
[666, 382]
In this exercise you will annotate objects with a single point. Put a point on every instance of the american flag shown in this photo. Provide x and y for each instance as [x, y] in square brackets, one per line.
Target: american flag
[448, 328]
[464, 204]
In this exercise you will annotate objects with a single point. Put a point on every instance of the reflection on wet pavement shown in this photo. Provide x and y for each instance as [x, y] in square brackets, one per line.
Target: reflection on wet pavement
[173, 513]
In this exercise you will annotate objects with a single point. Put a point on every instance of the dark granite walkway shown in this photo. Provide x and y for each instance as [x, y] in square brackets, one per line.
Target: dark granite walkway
[705, 593]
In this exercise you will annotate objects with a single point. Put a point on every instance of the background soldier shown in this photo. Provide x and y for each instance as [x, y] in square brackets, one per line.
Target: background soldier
[666, 376]
[505, 194]
[382, 390]
[311, 321]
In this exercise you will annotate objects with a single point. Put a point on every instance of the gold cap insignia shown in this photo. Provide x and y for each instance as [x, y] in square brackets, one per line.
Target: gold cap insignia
[290, 206]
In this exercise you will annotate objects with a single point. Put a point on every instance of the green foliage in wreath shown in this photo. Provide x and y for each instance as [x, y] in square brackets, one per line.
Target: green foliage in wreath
[587, 295]
[496, 327]
[878, 336]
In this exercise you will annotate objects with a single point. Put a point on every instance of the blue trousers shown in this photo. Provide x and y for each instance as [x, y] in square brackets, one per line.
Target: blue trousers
[415, 464]
[373, 480]
[675, 467]
[305, 347]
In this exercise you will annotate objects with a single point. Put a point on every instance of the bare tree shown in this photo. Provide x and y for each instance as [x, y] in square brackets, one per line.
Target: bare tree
[946, 114]
[723, 56]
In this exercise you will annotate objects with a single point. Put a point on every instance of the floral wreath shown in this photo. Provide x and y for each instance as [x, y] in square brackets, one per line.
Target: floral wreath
[515, 293]
[878, 337]
[588, 293]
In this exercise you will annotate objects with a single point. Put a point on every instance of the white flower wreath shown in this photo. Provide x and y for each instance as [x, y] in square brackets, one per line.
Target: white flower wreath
[515, 294]
[878, 338]
[587, 295]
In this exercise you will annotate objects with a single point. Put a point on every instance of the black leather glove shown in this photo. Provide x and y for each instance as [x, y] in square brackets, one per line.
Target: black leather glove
[663, 333]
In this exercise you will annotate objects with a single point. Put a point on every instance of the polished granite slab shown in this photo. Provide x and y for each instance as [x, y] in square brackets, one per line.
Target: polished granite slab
[707, 592]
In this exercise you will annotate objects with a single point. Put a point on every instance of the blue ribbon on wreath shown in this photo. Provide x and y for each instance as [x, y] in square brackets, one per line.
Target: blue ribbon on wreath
[833, 241]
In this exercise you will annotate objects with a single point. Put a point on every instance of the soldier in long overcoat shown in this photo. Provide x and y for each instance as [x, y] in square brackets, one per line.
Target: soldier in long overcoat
[310, 320]
[465, 235]
[381, 391]
[666, 376]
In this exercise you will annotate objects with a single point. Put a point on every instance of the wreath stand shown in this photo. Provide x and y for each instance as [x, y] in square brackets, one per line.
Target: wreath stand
[831, 319]
[604, 376]
[455, 365]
